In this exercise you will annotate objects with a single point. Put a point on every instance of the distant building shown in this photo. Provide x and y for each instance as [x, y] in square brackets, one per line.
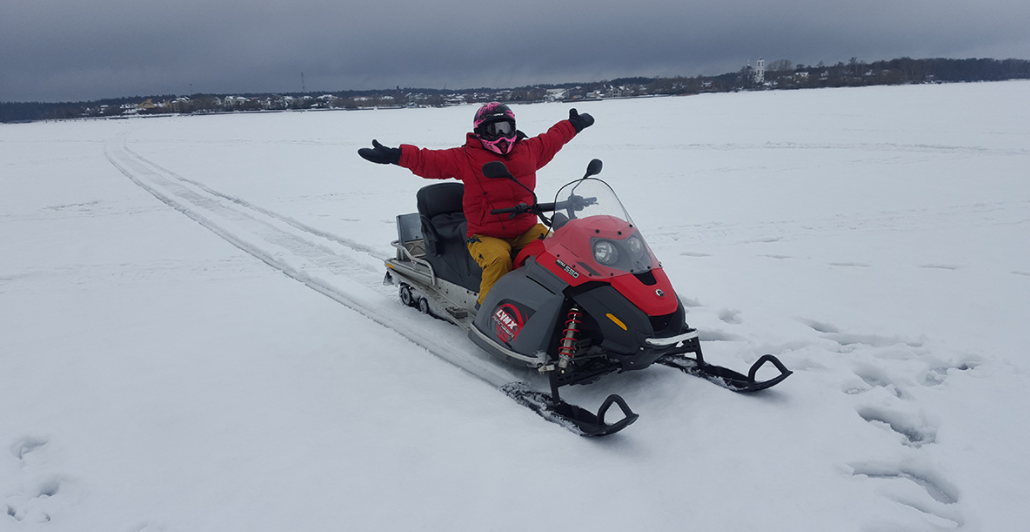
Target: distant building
[555, 95]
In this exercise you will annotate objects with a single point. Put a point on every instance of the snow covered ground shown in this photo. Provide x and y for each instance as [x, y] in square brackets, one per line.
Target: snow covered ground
[194, 335]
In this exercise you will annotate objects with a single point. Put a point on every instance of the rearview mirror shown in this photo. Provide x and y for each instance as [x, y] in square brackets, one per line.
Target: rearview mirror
[496, 169]
[593, 168]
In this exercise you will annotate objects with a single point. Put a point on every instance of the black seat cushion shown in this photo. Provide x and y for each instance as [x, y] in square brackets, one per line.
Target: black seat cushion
[444, 228]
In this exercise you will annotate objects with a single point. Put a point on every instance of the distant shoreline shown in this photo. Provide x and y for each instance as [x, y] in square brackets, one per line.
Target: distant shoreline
[782, 75]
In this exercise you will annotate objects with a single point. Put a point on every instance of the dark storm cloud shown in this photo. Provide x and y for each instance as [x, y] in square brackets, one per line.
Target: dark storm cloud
[62, 50]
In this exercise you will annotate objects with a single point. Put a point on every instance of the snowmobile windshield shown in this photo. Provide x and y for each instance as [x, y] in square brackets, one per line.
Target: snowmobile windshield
[591, 223]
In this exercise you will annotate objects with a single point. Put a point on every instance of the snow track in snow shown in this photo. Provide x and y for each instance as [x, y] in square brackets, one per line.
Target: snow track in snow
[343, 270]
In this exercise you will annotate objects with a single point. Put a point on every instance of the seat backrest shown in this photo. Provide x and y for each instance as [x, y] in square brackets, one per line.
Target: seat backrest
[441, 198]
[443, 226]
[439, 207]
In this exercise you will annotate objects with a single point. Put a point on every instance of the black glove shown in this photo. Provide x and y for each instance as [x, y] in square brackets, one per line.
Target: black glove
[381, 154]
[580, 121]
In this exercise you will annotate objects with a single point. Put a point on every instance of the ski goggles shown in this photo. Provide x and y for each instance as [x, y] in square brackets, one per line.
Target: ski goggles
[503, 128]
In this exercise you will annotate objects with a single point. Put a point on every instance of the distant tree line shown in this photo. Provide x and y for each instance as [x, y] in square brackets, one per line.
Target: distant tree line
[780, 74]
[784, 75]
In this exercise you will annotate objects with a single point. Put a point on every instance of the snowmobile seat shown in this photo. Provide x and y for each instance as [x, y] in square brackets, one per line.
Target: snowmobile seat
[444, 227]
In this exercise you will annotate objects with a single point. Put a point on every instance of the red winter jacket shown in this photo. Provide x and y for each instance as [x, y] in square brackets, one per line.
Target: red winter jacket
[483, 194]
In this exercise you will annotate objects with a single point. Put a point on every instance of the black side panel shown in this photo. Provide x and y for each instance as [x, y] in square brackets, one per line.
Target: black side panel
[629, 347]
[603, 300]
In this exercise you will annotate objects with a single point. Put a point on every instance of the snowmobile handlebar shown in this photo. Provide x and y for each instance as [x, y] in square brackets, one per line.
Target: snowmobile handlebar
[575, 203]
[536, 208]
[515, 211]
[497, 170]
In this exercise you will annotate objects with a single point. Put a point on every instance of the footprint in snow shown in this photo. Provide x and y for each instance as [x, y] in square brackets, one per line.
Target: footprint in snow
[819, 326]
[915, 431]
[950, 267]
[690, 302]
[917, 486]
[33, 503]
[872, 377]
[710, 335]
[832, 332]
[22, 447]
[937, 374]
[871, 340]
[910, 479]
[731, 316]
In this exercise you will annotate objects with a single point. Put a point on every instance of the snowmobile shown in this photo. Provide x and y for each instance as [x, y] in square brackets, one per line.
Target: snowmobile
[588, 300]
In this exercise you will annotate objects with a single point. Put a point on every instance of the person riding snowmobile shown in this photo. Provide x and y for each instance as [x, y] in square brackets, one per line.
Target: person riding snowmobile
[492, 239]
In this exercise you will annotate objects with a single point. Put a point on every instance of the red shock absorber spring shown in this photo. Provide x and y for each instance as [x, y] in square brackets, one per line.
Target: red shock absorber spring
[567, 347]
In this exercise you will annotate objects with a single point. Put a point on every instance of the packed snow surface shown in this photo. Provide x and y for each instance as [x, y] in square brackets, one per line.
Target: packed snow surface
[194, 333]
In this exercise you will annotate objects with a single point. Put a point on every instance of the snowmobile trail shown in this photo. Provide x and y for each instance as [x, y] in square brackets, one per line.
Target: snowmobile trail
[345, 242]
[342, 270]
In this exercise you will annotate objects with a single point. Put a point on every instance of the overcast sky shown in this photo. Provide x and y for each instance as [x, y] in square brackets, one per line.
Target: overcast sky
[73, 50]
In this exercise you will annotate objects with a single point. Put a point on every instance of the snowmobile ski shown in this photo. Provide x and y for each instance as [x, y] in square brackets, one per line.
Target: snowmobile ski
[725, 377]
[572, 417]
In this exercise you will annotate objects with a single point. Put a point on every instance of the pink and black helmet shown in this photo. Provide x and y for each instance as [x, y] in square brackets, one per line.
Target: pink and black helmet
[494, 124]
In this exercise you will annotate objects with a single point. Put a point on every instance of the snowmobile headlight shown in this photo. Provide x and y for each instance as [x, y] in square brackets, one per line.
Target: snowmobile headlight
[606, 252]
[635, 246]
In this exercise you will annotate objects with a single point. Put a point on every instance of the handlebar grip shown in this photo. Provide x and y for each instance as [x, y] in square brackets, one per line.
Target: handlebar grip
[518, 209]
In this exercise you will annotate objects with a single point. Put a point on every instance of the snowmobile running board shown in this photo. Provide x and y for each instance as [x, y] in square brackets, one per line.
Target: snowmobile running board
[725, 377]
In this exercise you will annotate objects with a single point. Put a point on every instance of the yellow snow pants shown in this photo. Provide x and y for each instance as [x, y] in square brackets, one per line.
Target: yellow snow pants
[494, 255]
